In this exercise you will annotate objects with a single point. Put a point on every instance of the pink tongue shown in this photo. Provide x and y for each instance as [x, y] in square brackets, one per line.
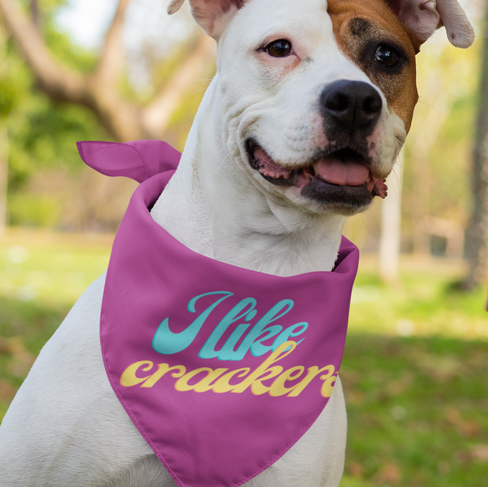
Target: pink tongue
[343, 174]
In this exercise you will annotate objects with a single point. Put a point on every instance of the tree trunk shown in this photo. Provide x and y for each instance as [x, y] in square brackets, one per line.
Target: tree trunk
[391, 218]
[420, 205]
[477, 233]
[422, 141]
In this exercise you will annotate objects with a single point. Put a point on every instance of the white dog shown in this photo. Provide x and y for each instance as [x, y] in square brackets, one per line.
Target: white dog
[304, 119]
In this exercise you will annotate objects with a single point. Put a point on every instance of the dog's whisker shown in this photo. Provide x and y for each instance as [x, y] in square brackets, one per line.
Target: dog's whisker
[198, 91]
[211, 159]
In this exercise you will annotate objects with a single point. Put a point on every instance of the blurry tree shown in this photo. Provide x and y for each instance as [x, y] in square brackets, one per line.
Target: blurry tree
[56, 93]
[477, 234]
[3, 178]
[391, 219]
[35, 133]
[100, 89]
[423, 139]
[436, 184]
[7, 100]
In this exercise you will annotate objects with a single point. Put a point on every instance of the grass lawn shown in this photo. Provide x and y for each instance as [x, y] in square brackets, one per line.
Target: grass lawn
[415, 369]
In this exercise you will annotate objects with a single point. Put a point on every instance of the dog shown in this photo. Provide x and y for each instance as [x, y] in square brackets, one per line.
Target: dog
[310, 106]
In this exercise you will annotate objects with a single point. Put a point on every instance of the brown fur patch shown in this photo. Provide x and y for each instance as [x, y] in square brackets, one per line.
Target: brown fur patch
[360, 26]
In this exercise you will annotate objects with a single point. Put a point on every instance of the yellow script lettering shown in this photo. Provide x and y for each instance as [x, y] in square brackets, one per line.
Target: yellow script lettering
[129, 377]
[312, 372]
[278, 386]
[328, 385]
[182, 384]
[222, 384]
[265, 371]
[205, 384]
[163, 369]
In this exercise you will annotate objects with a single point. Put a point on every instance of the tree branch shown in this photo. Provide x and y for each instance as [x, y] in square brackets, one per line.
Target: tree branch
[58, 82]
[121, 118]
[36, 18]
[112, 59]
[157, 114]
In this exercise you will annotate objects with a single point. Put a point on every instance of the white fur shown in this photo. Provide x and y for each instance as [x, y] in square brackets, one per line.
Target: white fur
[65, 426]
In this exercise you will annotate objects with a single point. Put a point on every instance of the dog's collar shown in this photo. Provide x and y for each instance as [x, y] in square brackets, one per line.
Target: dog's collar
[220, 368]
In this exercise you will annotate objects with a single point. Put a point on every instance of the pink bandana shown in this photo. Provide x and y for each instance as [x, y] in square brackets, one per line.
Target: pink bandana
[221, 369]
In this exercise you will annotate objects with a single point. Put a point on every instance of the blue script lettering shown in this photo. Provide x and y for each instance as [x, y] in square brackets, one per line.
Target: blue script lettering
[259, 333]
[167, 342]
[262, 332]
[227, 351]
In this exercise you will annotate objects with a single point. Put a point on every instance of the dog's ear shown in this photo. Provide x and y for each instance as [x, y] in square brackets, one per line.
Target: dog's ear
[211, 15]
[423, 17]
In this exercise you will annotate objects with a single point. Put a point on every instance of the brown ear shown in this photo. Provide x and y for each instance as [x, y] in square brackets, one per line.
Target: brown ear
[423, 17]
[211, 15]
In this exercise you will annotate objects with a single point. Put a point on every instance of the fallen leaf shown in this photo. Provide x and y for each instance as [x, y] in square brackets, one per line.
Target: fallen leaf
[353, 397]
[397, 386]
[444, 467]
[21, 363]
[11, 345]
[7, 390]
[389, 474]
[453, 416]
[470, 428]
[440, 367]
[480, 453]
[355, 469]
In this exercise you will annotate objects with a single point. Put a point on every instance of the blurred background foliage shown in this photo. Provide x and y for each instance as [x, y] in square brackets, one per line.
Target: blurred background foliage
[42, 159]
[44, 166]
[416, 362]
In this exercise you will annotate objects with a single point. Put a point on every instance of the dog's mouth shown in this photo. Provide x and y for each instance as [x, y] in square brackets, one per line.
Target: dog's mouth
[340, 176]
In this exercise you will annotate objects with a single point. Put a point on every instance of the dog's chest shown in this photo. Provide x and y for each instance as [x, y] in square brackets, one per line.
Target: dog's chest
[225, 351]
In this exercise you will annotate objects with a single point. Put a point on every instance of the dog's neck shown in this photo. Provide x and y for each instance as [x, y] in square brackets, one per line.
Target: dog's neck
[212, 207]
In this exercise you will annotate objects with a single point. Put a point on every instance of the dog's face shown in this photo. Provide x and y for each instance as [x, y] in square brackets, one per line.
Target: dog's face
[324, 103]
[315, 98]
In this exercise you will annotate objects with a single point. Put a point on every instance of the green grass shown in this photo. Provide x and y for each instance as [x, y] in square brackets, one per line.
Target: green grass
[415, 370]
[417, 410]
[422, 303]
[41, 276]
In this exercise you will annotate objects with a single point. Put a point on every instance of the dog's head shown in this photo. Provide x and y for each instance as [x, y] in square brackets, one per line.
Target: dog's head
[315, 97]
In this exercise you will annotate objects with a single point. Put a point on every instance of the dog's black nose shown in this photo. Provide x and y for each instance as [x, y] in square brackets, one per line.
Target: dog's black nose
[351, 104]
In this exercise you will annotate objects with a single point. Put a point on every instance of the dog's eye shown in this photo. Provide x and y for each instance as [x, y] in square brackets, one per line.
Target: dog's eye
[387, 56]
[279, 48]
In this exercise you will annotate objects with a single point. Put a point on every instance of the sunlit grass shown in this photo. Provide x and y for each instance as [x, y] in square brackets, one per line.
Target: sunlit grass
[49, 269]
[415, 370]
[423, 303]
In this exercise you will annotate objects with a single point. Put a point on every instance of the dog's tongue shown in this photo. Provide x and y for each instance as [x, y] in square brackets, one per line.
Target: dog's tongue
[349, 173]
[332, 170]
[335, 171]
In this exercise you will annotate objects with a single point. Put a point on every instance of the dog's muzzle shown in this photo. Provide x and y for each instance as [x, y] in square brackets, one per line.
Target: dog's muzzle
[341, 173]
